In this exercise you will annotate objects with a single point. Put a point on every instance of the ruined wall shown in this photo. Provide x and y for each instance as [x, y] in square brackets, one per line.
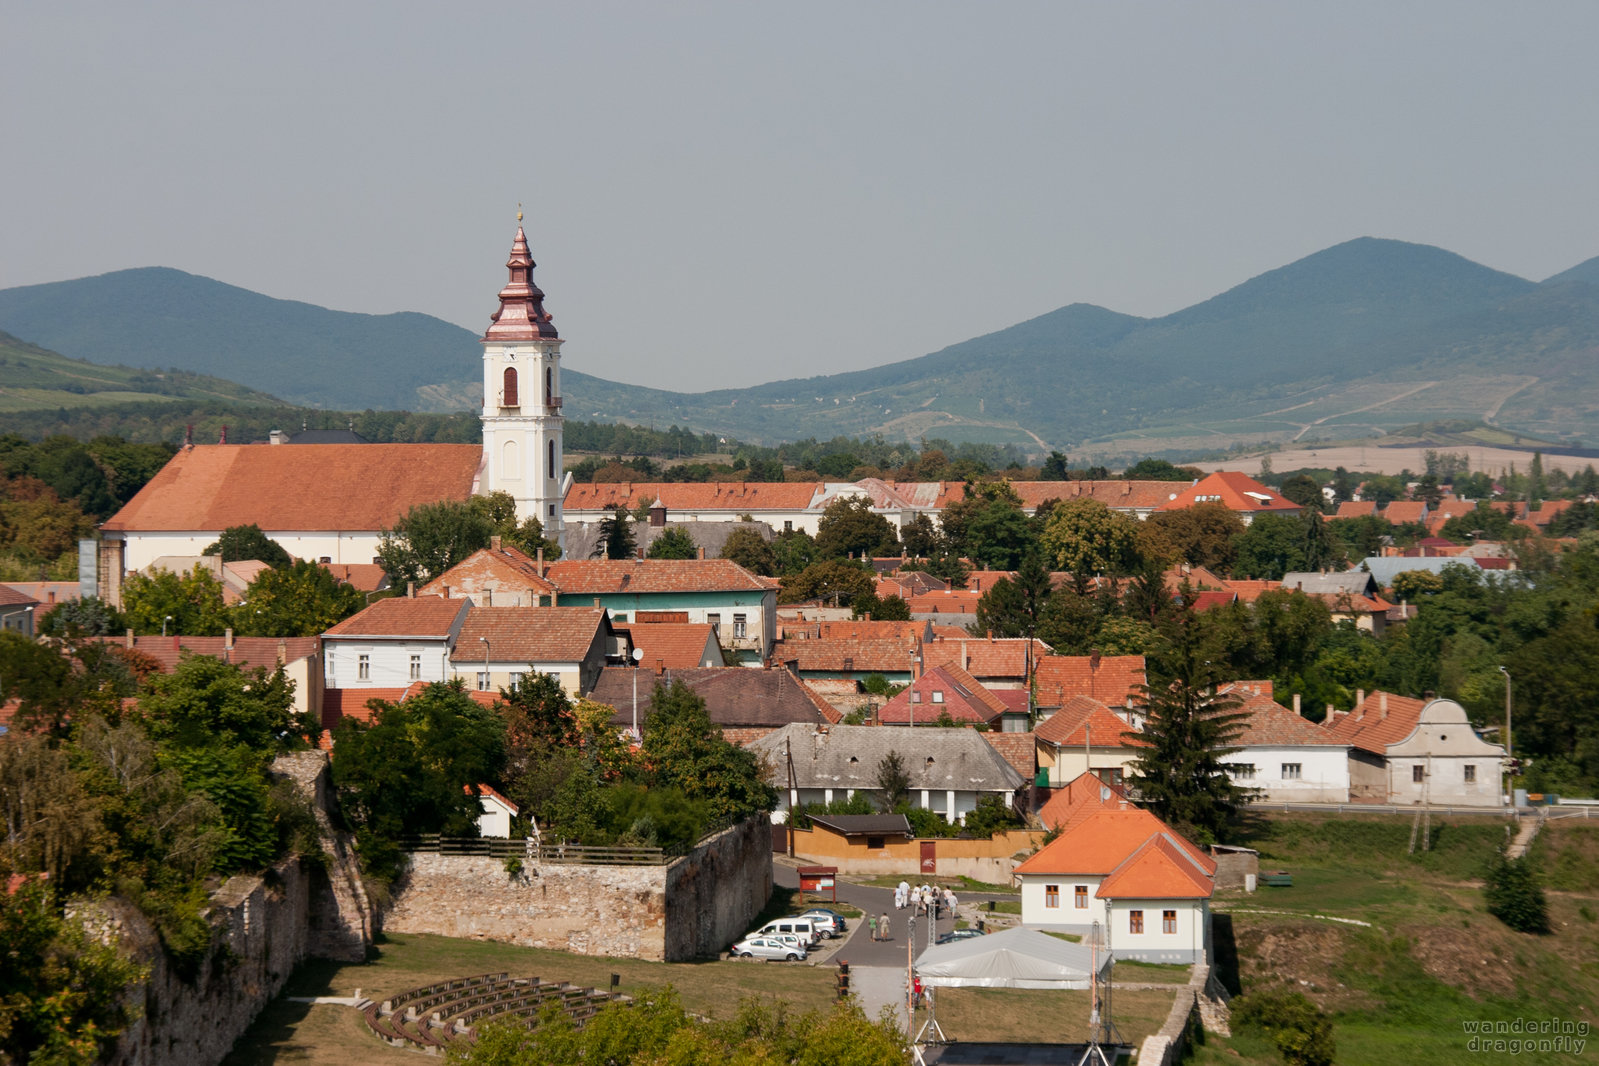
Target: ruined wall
[693, 907]
[714, 893]
[263, 926]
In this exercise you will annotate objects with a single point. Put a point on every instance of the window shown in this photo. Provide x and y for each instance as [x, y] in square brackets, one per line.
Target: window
[363, 667]
[938, 695]
[416, 668]
[551, 472]
[1135, 921]
[739, 625]
[619, 617]
[1243, 771]
[788, 526]
[1080, 897]
[1291, 771]
[482, 681]
[1168, 921]
[508, 393]
[1052, 896]
[874, 844]
[916, 697]
[1417, 774]
[516, 677]
[715, 620]
[1471, 774]
[549, 386]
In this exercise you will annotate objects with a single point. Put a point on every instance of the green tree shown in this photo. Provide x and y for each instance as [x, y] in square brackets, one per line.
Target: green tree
[1055, 467]
[1302, 1031]
[1149, 469]
[1271, 547]
[746, 547]
[300, 600]
[895, 781]
[616, 539]
[206, 701]
[1178, 770]
[188, 604]
[238, 543]
[919, 536]
[1303, 490]
[998, 535]
[834, 581]
[1201, 535]
[1015, 608]
[794, 550]
[1317, 547]
[976, 497]
[415, 769]
[87, 617]
[1084, 534]
[431, 538]
[849, 527]
[1482, 522]
[890, 608]
[687, 752]
[673, 543]
[1343, 486]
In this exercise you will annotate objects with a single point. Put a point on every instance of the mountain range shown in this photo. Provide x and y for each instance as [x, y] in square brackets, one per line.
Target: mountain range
[1352, 341]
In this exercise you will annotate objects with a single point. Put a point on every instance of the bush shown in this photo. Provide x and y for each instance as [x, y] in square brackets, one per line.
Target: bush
[1301, 1031]
[1515, 895]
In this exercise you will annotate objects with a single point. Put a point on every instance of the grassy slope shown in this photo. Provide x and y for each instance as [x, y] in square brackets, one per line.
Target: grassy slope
[37, 379]
[1433, 957]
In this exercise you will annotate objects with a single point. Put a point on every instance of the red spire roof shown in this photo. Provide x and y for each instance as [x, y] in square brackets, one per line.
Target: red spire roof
[521, 316]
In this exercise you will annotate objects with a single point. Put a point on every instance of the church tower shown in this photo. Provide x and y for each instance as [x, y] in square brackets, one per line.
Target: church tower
[522, 398]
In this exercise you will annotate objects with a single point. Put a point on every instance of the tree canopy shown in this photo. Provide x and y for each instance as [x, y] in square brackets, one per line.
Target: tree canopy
[239, 543]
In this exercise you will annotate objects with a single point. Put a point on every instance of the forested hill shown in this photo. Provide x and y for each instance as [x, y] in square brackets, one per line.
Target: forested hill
[1353, 340]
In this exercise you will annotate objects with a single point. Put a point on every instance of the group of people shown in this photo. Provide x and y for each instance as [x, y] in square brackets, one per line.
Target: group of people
[879, 926]
[926, 899]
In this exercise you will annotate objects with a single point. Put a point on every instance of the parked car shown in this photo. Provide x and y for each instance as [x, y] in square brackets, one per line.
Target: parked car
[830, 924]
[959, 934]
[801, 927]
[765, 947]
[792, 939]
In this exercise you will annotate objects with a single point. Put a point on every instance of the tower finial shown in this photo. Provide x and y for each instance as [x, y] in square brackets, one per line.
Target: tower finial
[519, 210]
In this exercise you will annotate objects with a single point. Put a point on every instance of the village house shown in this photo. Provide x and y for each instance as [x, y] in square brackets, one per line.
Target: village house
[1126, 870]
[300, 658]
[744, 704]
[1285, 757]
[1113, 680]
[949, 769]
[1411, 751]
[1240, 493]
[951, 696]
[1085, 736]
[1080, 797]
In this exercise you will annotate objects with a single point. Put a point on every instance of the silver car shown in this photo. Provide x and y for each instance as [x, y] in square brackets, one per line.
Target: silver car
[766, 947]
[828, 923]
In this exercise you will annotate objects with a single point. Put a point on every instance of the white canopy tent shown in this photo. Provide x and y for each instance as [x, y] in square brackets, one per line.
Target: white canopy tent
[1014, 958]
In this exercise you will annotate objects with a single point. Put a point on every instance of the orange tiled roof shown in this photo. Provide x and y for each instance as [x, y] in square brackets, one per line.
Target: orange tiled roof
[489, 791]
[1103, 841]
[1250, 591]
[1080, 797]
[1401, 511]
[1018, 749]
[421, 616]
[1246, 689]
[672, 645]
[949, 601]
[848, 655]
[1003, 657]
[45, 592]
[507, 565]
[961, 696]
[599, 577]
[528, 634]
[1114, 680]
[341, 703]
[1081, 721]
[1370, 727]
[737, 496]
[1356, 508]
[363, 487]
[735, 696]
[10, 597]
[1160, 869]
[1117, 494]
[367, 577]
[907, 633]
[1269, 724]
[1235, 490]
[248, 652]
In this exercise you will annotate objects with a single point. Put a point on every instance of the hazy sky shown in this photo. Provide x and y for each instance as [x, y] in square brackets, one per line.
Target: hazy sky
[722, 194]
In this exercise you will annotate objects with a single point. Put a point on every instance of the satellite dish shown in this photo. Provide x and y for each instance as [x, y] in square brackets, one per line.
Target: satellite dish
[638, 655]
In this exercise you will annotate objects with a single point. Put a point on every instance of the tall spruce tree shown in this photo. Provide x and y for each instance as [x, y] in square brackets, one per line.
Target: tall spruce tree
[1178, 772]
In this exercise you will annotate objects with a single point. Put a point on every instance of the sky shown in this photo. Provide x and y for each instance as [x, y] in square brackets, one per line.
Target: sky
[720, 194]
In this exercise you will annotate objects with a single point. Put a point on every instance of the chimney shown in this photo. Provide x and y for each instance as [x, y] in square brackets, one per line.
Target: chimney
[1360, 696]
[188, 435]
[283, 653]
[541, 562]
[410, 590]
[1329, 712]
[702, 555]
[224, 438]
[494, 543]
[488, 597]
[128, 639]
[1296, 703]
[446, 592]
[227, 638]
[1382, 705]
[660, 667]
[176, 645]
[555, 597]
[277, 436]
[596, 601]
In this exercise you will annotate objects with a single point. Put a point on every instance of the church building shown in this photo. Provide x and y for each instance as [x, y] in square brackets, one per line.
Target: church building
[331, 502]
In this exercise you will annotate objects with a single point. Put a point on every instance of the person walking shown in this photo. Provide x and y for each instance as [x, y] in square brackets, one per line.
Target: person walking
[871, 923]
[882, 928]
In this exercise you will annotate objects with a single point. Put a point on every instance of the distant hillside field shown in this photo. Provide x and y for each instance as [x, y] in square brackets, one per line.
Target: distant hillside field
[37, 379]
[1353, 341]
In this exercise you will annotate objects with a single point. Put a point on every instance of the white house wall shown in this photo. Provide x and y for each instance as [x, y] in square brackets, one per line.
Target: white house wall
[1154, 944]
[142, 549]
[1067, 917]
[1323, 774]
[389, 662]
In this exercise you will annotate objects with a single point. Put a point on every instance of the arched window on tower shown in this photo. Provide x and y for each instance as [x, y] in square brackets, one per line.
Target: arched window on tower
[508, 396]
[551, 466]
[549, 386]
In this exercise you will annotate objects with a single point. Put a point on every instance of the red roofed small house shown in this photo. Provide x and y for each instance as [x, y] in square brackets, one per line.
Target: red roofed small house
[1286, 757]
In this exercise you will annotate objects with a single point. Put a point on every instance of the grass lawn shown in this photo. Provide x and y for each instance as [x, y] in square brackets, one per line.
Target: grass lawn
[959, 884]
[1027, 1015]
[1430, 958]
[1152, 973]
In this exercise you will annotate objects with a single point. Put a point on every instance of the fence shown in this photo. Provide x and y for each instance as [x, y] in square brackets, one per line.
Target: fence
[1394, 808]
[534, 850]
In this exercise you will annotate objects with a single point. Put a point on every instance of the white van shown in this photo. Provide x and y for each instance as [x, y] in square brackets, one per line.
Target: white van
[804, 928]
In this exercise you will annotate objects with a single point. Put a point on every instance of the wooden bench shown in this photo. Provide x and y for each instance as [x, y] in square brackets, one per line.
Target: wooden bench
[1277, 879]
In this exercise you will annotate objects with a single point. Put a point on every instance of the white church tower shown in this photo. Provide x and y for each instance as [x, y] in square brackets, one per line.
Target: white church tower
[522, 398]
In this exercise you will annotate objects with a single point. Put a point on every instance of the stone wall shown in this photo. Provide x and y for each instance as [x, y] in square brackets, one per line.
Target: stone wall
[690, 908]
[263, 926]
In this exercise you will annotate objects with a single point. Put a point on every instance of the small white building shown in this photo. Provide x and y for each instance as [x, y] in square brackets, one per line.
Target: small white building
[1286, 758]
[495, 821]
[1125, 869]
[1443, 761]
[393, 643]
